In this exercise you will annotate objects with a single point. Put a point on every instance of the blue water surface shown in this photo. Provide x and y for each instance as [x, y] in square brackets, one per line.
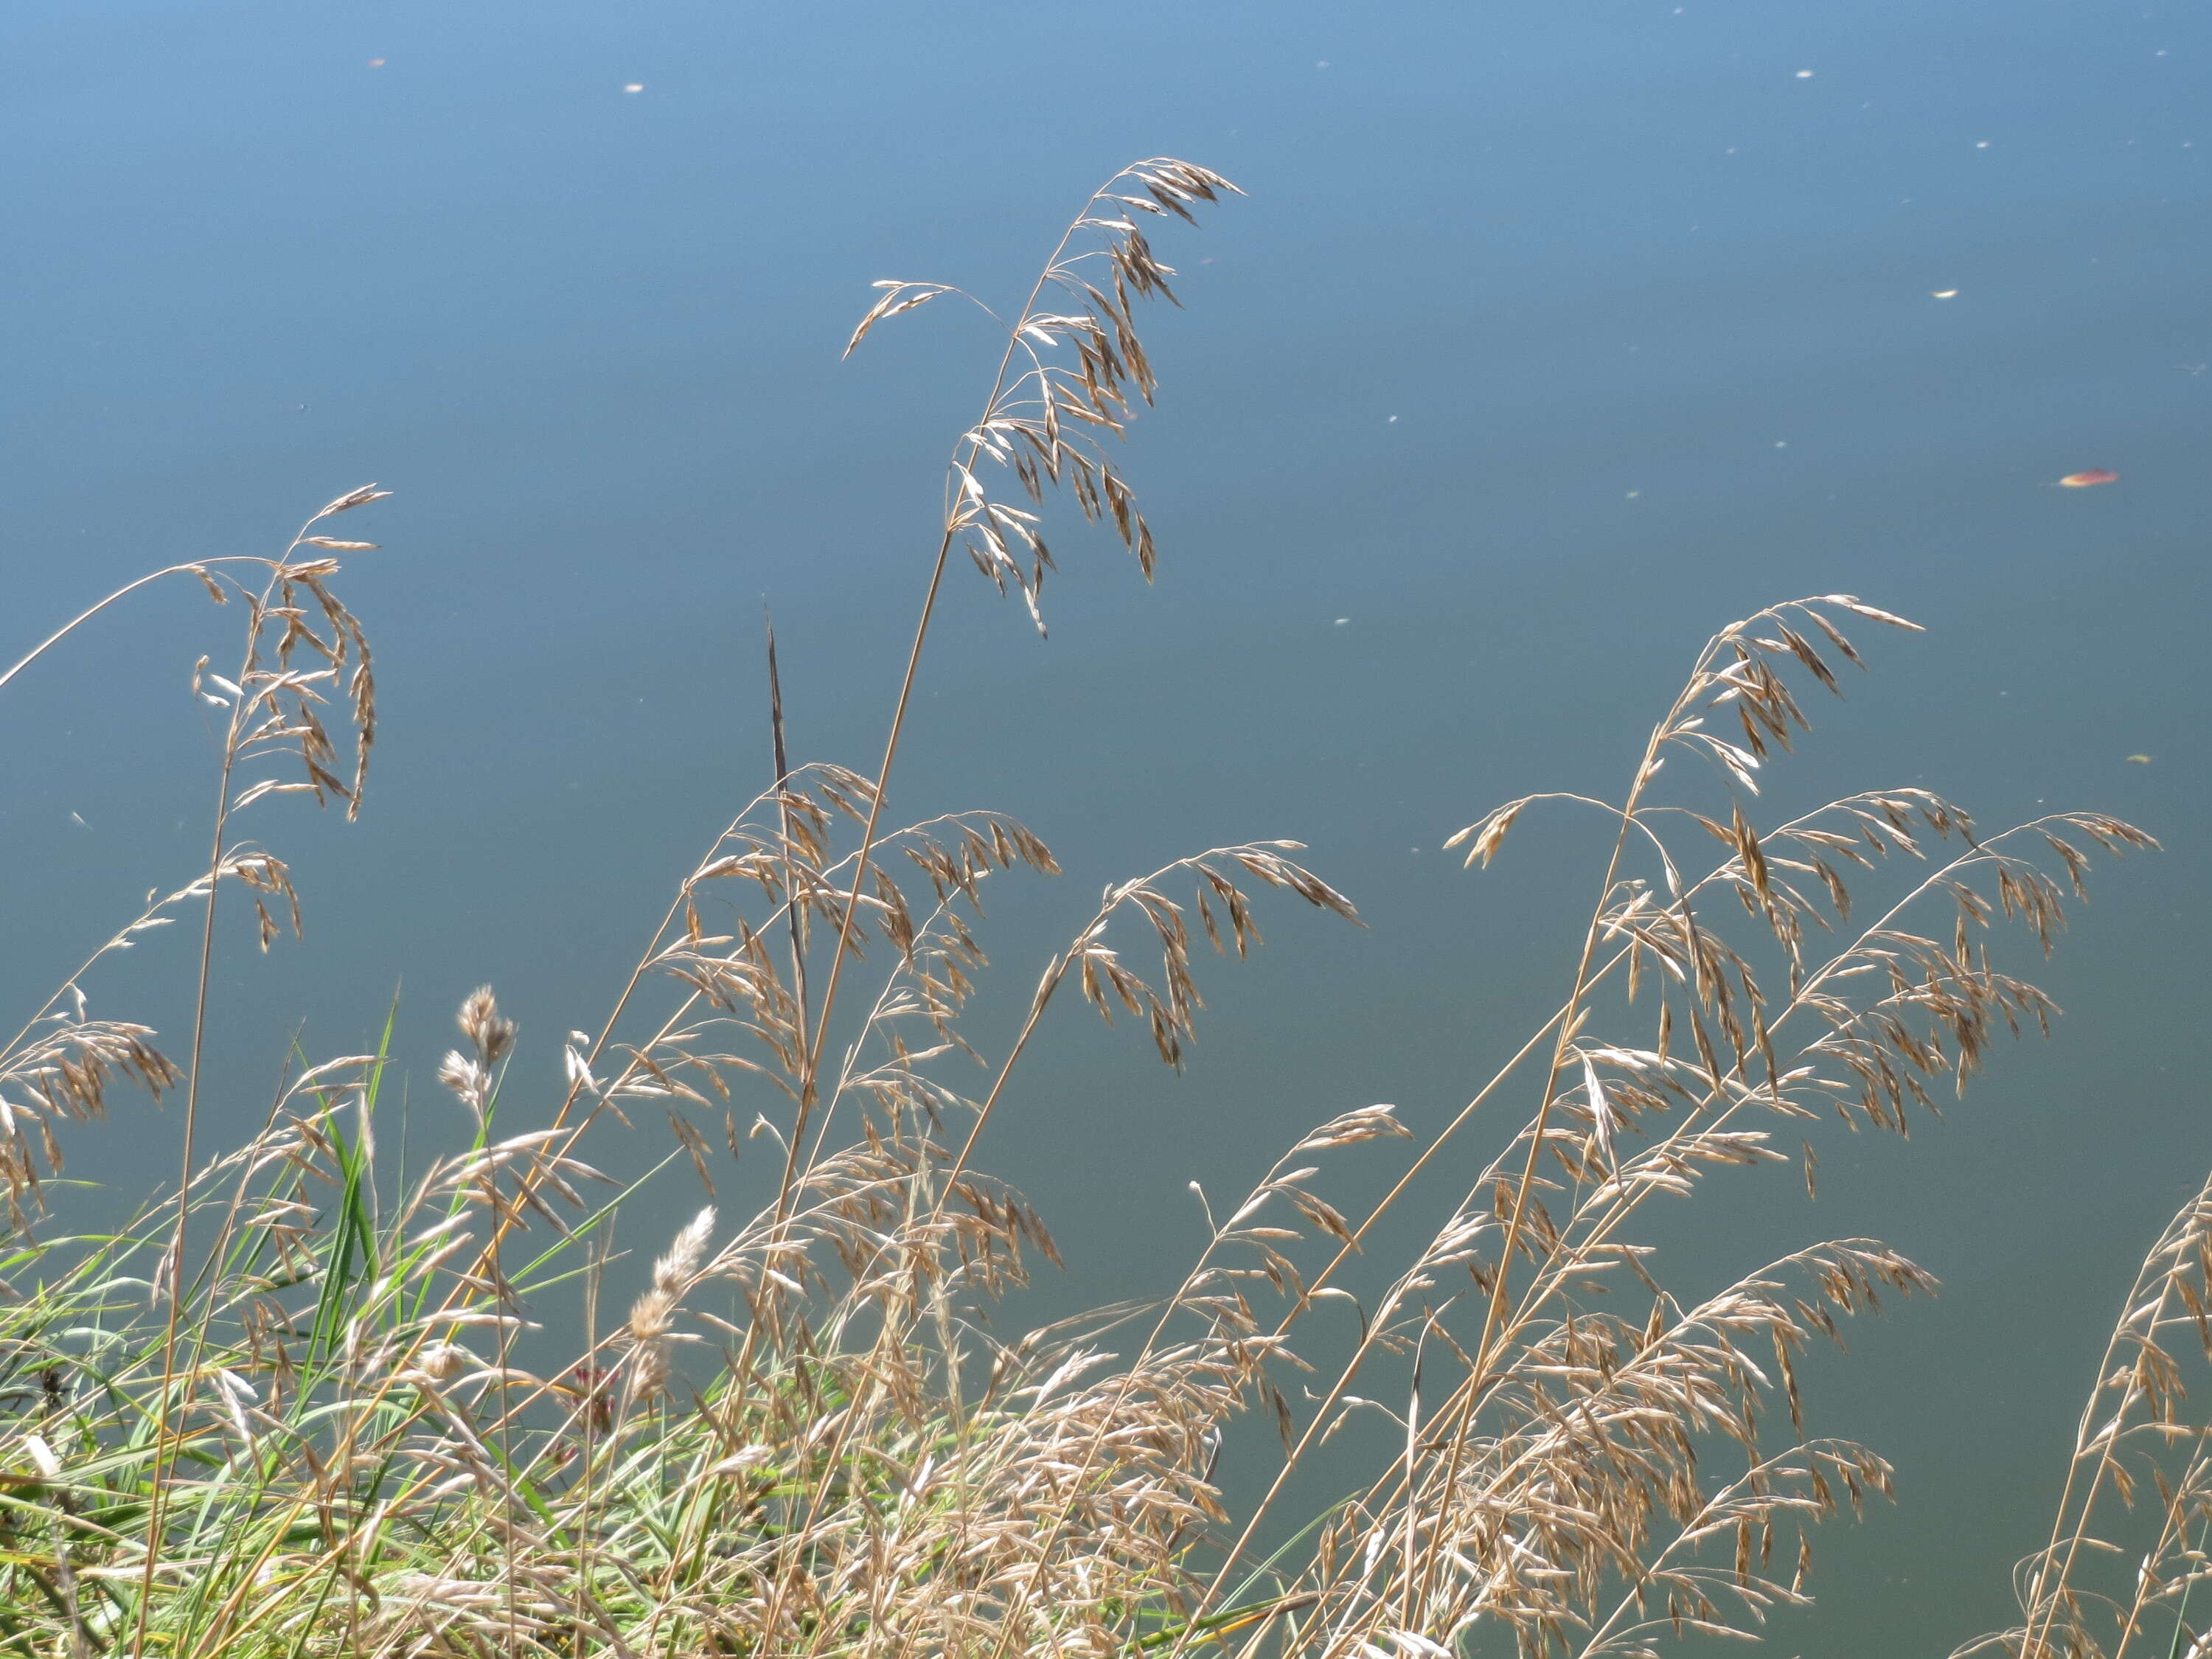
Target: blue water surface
[1550, 339]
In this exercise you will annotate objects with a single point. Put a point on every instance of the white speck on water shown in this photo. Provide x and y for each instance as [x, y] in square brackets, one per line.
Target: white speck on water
[1340, 621]
[1981, 143]
[1782, 443]
[78, 819]
[1633, 494]
[1393, 421]
[1943, 293]
[633, 86]
[1804, 74]
[1321, 63]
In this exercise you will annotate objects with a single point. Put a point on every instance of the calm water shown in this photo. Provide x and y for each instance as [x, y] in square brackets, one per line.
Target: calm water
[1550, 338]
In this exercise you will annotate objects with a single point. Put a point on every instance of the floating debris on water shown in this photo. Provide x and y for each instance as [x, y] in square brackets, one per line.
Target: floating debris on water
[1943, 293]
[2095, 474]
[2142, 760]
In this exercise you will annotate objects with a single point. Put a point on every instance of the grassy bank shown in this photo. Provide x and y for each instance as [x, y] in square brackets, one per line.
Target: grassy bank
[314, 1399]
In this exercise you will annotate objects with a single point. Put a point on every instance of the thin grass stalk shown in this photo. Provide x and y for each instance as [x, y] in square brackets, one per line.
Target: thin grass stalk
[794, 914]
[195, 567]
[1566, 1029]
[968, 451]
[204, 980]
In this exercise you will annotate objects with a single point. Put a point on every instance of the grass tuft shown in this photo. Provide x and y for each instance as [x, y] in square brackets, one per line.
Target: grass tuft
[317, 1399]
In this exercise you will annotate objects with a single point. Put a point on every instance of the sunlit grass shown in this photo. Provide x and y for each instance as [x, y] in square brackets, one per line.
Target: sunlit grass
[321, 1397]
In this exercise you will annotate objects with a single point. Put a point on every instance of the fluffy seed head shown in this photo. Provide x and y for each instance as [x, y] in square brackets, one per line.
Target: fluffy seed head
[481, 1023]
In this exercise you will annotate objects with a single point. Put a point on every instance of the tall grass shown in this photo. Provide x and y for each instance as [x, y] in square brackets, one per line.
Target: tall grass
[2126, 1554]
[307, 1402]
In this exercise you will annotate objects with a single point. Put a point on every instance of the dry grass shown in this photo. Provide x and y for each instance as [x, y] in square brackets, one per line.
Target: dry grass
[297, 1407]
[2126, 1554]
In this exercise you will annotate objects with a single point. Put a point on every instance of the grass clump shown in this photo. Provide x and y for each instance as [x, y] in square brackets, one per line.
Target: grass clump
[303, 1404]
